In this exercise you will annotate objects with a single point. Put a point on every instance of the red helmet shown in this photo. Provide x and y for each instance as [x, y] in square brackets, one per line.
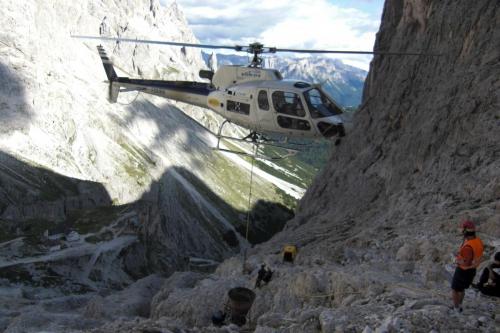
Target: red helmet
[468, 226]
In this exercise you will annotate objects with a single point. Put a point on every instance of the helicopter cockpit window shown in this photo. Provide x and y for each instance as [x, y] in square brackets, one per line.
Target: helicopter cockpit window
[288, 103]
[262, 100]
[320, 105]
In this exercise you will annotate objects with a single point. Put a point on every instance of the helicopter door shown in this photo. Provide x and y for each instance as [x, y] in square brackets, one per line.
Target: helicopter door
[290, 114]
[237, 108]
[265, 116]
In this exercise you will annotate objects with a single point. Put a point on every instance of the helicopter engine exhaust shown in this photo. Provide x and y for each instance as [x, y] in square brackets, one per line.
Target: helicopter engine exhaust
[204, 74]
[329, 130]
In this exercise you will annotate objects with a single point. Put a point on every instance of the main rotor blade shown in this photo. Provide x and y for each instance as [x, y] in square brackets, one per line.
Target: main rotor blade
[146, 41]
[352, 52]
[248, 48]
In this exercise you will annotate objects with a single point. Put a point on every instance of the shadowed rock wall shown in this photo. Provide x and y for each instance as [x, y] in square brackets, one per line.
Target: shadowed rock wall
[426, 139]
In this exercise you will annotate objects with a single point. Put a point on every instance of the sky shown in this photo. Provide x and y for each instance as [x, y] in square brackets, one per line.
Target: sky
[311, 24]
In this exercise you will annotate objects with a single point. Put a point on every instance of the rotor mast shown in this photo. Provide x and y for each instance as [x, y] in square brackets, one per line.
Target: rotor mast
[256, 49]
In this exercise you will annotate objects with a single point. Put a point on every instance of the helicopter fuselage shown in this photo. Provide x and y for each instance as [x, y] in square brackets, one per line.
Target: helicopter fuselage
[274, 105]
[255, 98]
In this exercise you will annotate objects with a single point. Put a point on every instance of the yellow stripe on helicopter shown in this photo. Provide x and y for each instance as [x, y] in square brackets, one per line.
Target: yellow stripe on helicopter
[213, 102]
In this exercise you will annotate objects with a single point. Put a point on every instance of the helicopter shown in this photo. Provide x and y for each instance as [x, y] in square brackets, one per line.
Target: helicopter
[253, 97]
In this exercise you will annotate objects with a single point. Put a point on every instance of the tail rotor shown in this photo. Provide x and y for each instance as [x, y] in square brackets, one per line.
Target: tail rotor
[114, 88]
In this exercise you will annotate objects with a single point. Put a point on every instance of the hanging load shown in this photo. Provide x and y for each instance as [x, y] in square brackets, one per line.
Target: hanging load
[240, 302]
[236, 307]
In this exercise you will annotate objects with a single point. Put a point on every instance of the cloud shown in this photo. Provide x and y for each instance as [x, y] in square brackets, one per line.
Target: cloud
[318, 24]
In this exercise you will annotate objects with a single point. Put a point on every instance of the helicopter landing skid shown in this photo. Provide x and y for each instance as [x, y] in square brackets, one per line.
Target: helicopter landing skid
[257, 140]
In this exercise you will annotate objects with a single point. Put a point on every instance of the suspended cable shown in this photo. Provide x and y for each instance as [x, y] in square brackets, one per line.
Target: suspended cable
[255, 149]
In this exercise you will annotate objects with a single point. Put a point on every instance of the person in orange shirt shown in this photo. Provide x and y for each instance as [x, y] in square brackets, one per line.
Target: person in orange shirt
[467, 260]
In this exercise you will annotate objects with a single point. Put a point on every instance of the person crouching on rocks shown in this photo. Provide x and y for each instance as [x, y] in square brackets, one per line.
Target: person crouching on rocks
[489, 282]
[467, 260]
[263, 275]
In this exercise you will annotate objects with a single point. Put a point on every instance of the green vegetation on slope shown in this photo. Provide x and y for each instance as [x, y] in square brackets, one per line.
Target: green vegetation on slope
[139, 163]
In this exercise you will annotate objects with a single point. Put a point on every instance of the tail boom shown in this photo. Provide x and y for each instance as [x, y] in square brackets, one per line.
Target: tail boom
[190, 92]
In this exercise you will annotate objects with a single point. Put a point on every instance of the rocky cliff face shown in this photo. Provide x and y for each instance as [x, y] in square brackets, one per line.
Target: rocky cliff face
[56, 111]
[424, 150]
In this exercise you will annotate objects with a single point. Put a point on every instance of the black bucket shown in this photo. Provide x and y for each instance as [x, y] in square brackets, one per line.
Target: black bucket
[240, 302]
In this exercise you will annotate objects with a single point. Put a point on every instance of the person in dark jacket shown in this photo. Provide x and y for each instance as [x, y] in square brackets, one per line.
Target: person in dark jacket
[489, 282]
[263, 275]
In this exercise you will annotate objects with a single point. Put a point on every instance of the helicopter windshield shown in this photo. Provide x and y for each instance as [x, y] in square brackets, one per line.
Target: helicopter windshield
[320, 105]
